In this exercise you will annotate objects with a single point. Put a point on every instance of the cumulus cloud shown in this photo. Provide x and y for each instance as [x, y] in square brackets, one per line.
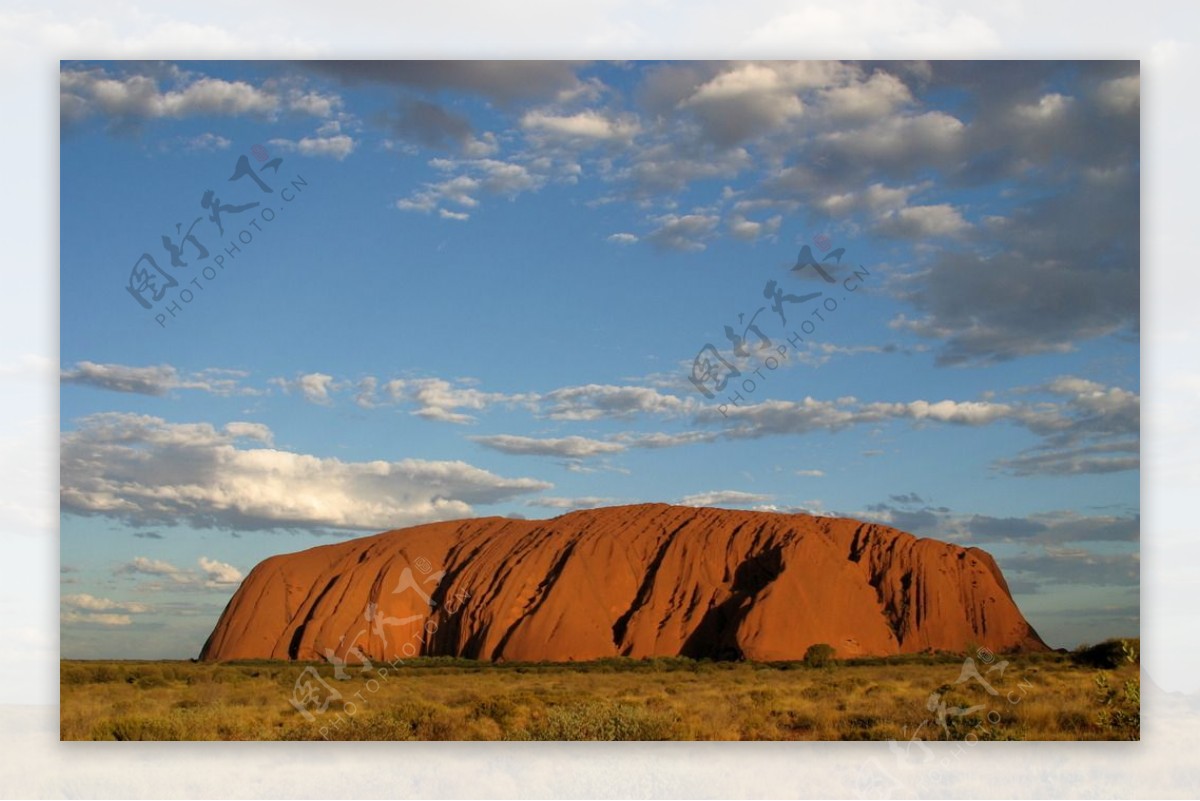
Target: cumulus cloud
[1056, 528]
[586, 502]
[129, 97]
[878, 198]
[748, 230]
[922, 222]
[211, 575]
[501, 81]
[669, 167]
[566, 447]
[434, 398]
[589, 126]
[96, 618]
[1052, 566]
[147, 471]
[597, 401]
[660, 439]
[441, 400]
[142, 565]
[747, 100]
[153, 379]
[313, 387]
[207, 141]
[429, 124]
[1082, 426]
[724, 498]
[475, 177]
[901, 145]
[459, 190]
[687, 232]
[338, 146]
[1088, 428]
[1120, 95]
[90, 603]
[1026, 298]
[219, 574]
[623, 239]
[879, 95]
[1108, 457]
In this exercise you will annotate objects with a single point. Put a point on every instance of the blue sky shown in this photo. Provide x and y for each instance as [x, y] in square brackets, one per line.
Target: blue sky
[484, 288]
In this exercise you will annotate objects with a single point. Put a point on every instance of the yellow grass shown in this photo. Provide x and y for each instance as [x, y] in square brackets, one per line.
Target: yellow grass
[1042, 697]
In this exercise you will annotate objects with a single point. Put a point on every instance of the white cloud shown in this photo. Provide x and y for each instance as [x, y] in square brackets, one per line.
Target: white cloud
[366, 393]
[1049, 108]
[313, 103]
[147, 471]
[338, 147]
[130, 97]
[586, 502]
[913, 222]
[207, 141]
[441, 400]
[153, 379]
[212, 575]
[1121, 95]
[724, 498]
[880, 95]
[97, 618]
[314, 387]
[666, 167]
[566, 447]
[459, 190]
[877, 198]
[686, 232]
[153, 567]
[663, 440]
[1092, 428]
[622, 239]
[589, 125]
[219, 574]
[745, 101]
[597, 401]
[481, 175]
[749, 230]
[92, 91]
[933, 137]
[90, 603]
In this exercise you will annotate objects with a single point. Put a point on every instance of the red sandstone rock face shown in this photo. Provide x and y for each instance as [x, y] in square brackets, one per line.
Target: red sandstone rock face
[647, 580]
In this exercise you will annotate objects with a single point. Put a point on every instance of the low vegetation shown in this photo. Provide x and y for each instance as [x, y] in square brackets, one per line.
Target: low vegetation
[927, 697]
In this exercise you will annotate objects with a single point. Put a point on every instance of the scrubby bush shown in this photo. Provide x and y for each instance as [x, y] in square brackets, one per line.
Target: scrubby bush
[1108, 655]
[819, 655]
[1121, 710]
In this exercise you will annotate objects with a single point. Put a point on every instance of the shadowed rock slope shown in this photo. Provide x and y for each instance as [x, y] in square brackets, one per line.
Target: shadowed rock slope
[646, 580]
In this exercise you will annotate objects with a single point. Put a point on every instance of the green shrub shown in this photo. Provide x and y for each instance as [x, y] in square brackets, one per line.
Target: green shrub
[1108, 655]
[819, 655]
